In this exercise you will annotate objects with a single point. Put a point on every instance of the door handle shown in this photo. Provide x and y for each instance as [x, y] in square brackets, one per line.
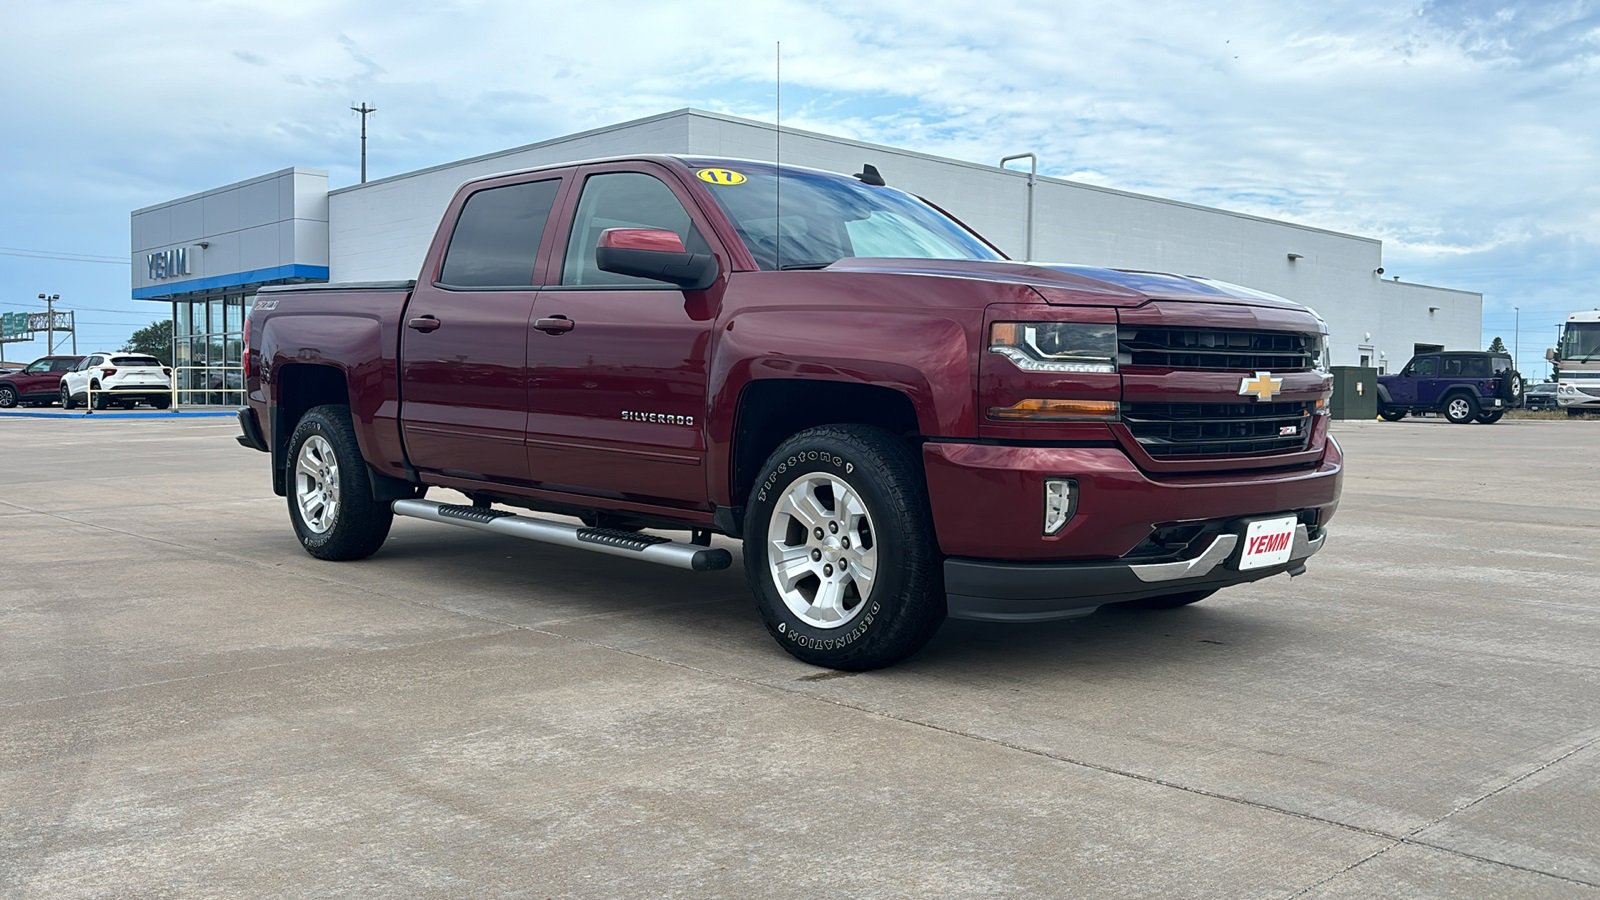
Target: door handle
[555, 325]
[424, 324]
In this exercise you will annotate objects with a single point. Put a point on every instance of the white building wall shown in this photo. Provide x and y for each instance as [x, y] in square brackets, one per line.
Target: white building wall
[381, 230]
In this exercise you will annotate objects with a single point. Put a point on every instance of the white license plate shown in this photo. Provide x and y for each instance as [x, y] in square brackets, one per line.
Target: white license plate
[1267, 542]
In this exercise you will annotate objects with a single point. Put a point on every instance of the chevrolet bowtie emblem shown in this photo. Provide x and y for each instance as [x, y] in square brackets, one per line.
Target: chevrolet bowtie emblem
[1263, 386]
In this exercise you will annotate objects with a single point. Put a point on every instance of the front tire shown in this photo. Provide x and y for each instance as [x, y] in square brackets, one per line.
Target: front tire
[1392, 415]
[67, 400]
[330, 491]
[839, 549]
[1460, 409]
[8, 396]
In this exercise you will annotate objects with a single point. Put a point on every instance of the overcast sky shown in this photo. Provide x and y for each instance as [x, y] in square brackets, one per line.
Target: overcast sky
[1461, 134]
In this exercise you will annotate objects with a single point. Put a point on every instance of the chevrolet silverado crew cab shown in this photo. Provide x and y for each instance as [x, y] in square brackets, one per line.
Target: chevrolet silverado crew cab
[898, 423]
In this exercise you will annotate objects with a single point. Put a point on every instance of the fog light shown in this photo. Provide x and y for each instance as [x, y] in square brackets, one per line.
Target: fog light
[1060, 502]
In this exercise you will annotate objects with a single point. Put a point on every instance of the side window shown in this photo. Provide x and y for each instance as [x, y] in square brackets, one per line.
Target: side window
[1501, 363]
[1427, 367]
[496, 239]
[42, 365]
[623, 200]
[1476, 366]
[67, 365]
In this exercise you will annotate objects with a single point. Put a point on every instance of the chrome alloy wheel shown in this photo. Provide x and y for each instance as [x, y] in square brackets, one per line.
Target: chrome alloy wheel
[821, 550]
[1459, 408]
[316, 484]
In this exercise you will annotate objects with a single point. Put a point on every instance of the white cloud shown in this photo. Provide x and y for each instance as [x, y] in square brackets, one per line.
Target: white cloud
[1458, 132]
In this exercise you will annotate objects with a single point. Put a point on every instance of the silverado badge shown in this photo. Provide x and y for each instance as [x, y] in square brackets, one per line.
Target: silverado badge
[1263, 386]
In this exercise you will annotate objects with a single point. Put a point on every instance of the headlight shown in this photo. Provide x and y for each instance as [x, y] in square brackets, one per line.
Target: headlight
[1056, 346]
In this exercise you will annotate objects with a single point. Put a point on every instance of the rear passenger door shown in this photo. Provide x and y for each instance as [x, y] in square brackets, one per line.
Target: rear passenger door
[464, 335]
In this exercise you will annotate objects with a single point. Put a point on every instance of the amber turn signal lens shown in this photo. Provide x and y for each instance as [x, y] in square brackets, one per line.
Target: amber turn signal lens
[1037, 410]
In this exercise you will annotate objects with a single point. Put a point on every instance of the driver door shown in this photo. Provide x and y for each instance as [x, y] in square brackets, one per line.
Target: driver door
[1407, 389]
[617, 364]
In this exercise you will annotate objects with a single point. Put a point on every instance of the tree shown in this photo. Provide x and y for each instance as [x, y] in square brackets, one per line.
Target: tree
[153, 340]
[1497, 346]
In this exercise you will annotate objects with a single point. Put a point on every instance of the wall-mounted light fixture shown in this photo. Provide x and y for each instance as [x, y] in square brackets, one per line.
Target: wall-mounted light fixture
[203, 244]
[1295, 256]
[1433, 309]
[1379, 270]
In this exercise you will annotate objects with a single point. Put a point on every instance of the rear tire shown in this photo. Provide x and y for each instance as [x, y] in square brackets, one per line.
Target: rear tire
[1170, 601]
[1460, 409]
[1489, 418]
[101, 399]
[839, 549]
[160, 402]
[330, 490]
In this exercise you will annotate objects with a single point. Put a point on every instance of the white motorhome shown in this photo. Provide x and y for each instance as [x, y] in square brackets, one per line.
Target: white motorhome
[1578, 361]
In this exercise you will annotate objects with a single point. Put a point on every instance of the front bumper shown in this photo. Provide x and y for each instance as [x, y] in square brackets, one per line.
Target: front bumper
[1032, 592]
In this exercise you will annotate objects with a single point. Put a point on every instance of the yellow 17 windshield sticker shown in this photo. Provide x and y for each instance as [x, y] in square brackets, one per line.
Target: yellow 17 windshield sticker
[720, 176]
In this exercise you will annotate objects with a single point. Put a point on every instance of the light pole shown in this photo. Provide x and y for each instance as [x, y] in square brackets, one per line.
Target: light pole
[49, 322]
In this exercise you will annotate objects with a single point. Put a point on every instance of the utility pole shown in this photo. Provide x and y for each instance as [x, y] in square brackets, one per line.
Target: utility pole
[365, 111]
[1516, 339]
[49, 322]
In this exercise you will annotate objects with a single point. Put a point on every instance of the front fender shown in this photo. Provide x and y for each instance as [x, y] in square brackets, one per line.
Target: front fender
[926, 355]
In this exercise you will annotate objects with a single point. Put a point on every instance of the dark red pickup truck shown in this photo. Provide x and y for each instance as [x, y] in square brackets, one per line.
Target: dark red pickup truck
[899, 423]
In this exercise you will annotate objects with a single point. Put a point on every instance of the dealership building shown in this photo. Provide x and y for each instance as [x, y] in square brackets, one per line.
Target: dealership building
[207, 254]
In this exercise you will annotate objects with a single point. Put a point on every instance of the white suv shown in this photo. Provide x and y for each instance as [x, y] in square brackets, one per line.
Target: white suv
[121, 378]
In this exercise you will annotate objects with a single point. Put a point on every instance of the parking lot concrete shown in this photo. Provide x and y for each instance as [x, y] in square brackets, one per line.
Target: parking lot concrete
[191, 705]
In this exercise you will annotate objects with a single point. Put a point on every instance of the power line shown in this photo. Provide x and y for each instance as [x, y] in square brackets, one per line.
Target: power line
[27, 253]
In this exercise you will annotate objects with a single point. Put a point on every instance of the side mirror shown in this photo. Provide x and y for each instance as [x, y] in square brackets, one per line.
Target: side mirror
[656, 254]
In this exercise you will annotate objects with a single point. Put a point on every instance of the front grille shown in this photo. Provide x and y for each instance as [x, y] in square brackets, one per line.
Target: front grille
[1215, 348]
[1218, 429]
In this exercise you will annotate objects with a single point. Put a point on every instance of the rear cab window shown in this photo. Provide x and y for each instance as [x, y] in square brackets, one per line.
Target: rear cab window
[496, 239]
[135, 361]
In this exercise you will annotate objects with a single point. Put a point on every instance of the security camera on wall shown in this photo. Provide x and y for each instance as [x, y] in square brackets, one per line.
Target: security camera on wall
[1379, 270]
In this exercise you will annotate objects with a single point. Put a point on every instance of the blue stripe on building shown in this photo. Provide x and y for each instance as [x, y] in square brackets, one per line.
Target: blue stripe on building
[255, 276]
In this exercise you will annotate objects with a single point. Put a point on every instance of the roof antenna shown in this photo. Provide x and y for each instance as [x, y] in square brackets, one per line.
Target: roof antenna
[777, 222]
[869, 175]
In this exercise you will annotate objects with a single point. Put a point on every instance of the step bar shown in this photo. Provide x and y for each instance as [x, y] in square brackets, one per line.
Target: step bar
[612, 541]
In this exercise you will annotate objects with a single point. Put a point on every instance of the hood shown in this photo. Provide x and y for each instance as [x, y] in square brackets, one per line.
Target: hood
[1069, 284]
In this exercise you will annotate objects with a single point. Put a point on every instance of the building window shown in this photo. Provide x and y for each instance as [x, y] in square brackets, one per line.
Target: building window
[207, 343]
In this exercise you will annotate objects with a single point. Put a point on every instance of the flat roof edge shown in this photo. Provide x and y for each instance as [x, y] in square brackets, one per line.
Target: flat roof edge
[291, 170]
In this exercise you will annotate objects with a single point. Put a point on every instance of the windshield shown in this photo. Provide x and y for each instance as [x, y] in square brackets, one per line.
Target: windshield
[825, 218]
[1581, 341]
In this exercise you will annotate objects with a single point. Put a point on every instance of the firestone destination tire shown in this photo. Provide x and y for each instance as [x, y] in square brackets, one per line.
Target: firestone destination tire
[839, 549]
[330, 492]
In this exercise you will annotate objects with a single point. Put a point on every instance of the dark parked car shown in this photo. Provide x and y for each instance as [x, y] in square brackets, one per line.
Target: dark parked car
[1541, 396]
[1461, 385]
[38, 384]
